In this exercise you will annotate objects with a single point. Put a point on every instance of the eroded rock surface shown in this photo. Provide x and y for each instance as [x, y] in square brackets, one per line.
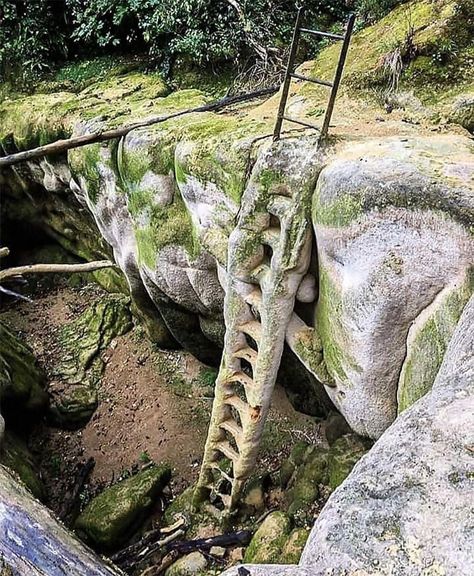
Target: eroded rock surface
[392, 221]
[407, 506]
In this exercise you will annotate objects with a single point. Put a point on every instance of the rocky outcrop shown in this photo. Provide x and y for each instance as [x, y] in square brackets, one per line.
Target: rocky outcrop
[406, 507]
[76, 377]
[392, 287]
[22, 380]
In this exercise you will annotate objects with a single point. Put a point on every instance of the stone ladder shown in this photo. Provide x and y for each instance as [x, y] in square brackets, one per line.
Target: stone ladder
[269, 253]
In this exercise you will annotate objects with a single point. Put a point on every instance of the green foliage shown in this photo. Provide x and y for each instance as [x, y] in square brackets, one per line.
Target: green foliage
[35, 33]
[31, 38]
[372, 10]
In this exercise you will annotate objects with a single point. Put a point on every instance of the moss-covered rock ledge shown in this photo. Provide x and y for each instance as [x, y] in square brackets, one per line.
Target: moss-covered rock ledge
[392, 218]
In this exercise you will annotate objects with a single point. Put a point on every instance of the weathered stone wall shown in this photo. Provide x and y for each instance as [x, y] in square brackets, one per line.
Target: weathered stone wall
[392, 250]
[406, 508]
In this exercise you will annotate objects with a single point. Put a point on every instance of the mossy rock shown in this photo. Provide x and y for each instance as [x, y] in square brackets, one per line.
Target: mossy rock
[294, 545]
[16, 456]
[295, 459]
[80, 368]
[462, 112]
[181, 505]
[253, 497]
[343, 456]
[74, 405]
[267, 543]
[305, 487]
[112, 516]
[22, 380]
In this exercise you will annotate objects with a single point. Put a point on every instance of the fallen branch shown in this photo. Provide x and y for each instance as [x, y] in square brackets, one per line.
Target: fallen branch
[175, 550]
[101, 136]
[129, 557]
[48, 268]
[239, 538]
[135, 552]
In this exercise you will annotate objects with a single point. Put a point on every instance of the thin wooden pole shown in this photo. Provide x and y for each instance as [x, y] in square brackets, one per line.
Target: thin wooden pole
[101, 136]
[47, 268]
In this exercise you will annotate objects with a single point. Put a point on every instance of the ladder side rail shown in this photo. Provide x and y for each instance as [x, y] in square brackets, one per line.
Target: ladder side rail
[289, 70]
[338, 75]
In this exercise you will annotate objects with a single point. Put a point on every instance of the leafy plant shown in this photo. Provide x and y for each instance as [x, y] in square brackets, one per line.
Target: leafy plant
[31, 38]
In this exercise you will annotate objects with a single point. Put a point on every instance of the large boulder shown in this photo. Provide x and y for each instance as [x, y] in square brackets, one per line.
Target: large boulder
[393, 221]
[406, 508]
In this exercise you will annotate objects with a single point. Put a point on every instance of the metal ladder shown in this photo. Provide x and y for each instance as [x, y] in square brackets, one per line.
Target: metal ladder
[334, 85]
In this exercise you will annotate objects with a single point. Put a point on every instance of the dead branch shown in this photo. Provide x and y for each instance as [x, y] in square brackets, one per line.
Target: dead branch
[173, 549]
[48, 268]
[4, 252]
[101, 136]
[136, 551]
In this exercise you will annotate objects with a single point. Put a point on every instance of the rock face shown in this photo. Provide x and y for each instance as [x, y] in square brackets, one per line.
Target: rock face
[75, 387]
[407, 506]
[22, 381]
[392, 287]
[32, 543]
[116, 512]
[391, 258]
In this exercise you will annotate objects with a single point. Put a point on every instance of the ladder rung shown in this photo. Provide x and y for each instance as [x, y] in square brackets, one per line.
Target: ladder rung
[279, 206]
[314, 80]
[254, 298]
[259, 271]
[215, 466]
[271, 236]
[324, 34]
[231, 426]
[300, 122]
[225, 499]
[226, 449]
[237, 403]
[253, 328]
[247, 354]
[242, 378]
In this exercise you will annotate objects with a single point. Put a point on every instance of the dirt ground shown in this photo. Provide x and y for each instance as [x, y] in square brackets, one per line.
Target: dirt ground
[149, 406]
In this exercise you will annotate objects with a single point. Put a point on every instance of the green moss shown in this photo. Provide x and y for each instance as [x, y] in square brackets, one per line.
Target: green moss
[305, 486]
[293, 547]
[343, 455]
[168, 225]
[309, 349]
[267, 544]
[85, 163]
[22, 380]
[16, 456]
[426, 351]
[81, 366]
[329, 311]
[339, 212]
[112, 516]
